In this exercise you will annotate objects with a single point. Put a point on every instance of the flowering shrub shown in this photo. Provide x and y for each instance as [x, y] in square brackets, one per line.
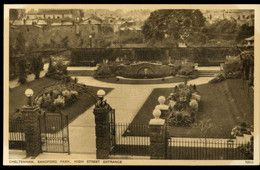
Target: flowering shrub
[56, 100]
[182, 118]
[194, 104]
[58, 71]
[241, 129]
[195, 96]
[183, 103]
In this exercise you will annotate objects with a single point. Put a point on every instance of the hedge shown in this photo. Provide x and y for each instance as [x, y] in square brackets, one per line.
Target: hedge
[201, 55]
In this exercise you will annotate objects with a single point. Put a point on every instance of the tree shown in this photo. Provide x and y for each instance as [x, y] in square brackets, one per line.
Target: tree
[22, 71]
[13, 14]
[37, 66]
[177, 25]
[20, 43]
[65, 42]
[245, 31]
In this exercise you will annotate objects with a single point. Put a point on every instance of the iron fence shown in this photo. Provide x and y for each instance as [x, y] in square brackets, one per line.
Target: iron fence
[204, 149]
[127, 143]
[16, 135]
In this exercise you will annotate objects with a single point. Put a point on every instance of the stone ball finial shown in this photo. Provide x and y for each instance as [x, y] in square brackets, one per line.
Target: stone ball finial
[156, 113]
[161, 100]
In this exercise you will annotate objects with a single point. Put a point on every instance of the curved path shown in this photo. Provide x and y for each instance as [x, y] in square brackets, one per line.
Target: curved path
[126, 99]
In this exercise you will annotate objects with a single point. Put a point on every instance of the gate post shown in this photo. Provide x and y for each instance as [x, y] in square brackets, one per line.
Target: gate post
[102, 121]
[157, 133]
[32, 130]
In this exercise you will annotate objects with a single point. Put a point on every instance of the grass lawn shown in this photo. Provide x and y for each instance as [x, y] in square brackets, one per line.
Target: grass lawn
[17, 98]
[147, 81]
[225, 103]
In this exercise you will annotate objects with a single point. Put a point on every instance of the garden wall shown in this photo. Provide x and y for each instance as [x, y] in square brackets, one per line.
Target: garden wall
[205, 56]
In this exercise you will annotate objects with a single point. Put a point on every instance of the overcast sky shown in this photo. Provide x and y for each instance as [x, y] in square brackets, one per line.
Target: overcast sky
[129, 7]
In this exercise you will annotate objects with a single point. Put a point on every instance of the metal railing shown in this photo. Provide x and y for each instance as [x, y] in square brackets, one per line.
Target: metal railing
[204, 149]
[128, 142]
[16, 135]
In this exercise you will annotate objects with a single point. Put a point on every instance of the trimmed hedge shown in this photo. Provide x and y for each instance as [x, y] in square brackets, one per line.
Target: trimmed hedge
[202, 55]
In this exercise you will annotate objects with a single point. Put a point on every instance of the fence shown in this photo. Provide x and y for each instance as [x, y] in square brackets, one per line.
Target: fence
[204, 149]
[16, 135]
[134, 140]
[129, 144]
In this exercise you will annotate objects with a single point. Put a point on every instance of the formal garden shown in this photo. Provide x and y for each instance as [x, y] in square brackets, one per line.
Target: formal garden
[208, 110]
[55, 92]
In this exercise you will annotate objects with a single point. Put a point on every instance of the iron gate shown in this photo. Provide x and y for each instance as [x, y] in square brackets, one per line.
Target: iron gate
[112, 129]
[54, 133]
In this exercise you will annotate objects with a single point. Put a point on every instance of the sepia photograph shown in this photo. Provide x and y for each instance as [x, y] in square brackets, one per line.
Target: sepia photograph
[131, 84]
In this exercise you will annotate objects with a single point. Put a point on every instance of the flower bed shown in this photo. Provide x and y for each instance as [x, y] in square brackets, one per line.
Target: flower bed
[183, 105]
[55, 100]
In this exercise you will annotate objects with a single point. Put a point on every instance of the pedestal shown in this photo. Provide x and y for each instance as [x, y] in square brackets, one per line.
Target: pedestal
[158, 139]
[32, 131]
[102, 132]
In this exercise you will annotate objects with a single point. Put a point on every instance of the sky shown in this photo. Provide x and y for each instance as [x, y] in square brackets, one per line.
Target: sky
[128, 7]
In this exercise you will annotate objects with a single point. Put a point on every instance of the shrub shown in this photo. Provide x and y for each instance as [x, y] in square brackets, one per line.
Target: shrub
[196, 96]
[182, 118]
[241, 129]
[218, 78]
[56, 100]
[183, 103]
[194, 104]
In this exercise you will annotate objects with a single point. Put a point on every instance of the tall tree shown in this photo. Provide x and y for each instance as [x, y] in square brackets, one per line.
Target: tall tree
[20, 43]
[245, 31]
[176, 24]
[13, 14]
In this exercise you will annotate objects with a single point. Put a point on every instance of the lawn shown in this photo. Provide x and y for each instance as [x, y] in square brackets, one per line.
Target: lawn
[144, 81]
[17, 98]
[226, 104]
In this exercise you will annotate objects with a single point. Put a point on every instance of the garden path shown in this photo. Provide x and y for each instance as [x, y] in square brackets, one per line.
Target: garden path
[126, 99]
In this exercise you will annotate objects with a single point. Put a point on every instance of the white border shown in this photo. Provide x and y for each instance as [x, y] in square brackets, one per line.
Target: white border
[130, 7]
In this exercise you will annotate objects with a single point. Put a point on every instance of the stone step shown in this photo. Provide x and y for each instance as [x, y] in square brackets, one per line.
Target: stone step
[207, 73]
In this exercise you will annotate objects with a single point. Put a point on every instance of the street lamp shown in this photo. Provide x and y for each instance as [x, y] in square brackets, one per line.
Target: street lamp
[29, 93]
[90, 41]
[101, 93]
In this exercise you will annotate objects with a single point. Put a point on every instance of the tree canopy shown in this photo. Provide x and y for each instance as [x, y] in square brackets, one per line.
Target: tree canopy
[177, 24]
[245, 31]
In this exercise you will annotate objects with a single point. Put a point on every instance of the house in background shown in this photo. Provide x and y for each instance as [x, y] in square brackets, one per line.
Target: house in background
[89, 26]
